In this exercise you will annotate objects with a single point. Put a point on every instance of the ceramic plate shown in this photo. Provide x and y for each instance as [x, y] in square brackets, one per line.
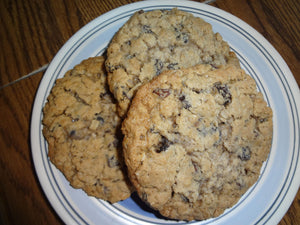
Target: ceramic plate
[265, 203]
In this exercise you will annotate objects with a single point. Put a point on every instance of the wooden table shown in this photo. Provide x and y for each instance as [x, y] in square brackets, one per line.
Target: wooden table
[31, 34]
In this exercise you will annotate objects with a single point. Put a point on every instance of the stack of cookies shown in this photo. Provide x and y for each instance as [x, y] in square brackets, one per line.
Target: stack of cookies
[168, 112]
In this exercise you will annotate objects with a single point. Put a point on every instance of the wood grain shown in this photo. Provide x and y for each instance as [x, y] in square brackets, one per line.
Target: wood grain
[21, 198]
[278, 21]
[31, 34]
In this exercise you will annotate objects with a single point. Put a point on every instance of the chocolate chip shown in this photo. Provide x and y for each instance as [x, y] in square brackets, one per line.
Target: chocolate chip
[162, 92]
[244, 153]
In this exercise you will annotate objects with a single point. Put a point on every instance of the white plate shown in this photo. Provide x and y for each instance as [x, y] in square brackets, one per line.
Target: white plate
[266, 202]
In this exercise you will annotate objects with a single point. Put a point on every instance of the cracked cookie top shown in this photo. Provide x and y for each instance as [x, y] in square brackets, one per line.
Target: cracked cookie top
[82, 129]
[159, 40]
[195, 140]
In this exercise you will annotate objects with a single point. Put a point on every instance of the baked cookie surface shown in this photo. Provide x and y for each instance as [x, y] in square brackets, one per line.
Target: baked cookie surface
[195, 140]
[82, 129]
[159, 40]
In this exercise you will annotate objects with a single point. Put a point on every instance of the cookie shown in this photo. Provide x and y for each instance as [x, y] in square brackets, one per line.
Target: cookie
[159, 40]
[195, 140]
[82, 129]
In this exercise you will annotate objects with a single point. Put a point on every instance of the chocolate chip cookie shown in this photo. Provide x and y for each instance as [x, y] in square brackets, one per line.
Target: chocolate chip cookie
[82, 129]
[195, 140]
[159, 40]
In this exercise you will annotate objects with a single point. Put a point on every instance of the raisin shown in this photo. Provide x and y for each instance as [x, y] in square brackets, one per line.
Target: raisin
[130, 56]
[97, 183]
[185, 103]
[116, 143]
[185, 199]
[159, 65]
[112, 161]
[207, 130]
[262, 120]
[173, 66]
[144, 196]
[240, 183]
[99, 118]
[163, 145]
[182, 98]
[181, 35]
[147, 29]
[72, 133]
[105, 190]
[244, 153]
[112, 68]
[224, 91]
[196, 167]
[213, 129]
[125, 94]
[171, 48]
[198, 91]
[102, 95]
[185, 38]
[162, 92]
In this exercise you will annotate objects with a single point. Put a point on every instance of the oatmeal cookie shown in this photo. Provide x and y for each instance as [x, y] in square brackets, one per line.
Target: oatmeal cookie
[82, 129]
[195, 140]
[159, 40]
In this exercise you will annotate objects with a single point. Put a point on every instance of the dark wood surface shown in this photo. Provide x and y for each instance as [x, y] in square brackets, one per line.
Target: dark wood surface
[31, 34]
